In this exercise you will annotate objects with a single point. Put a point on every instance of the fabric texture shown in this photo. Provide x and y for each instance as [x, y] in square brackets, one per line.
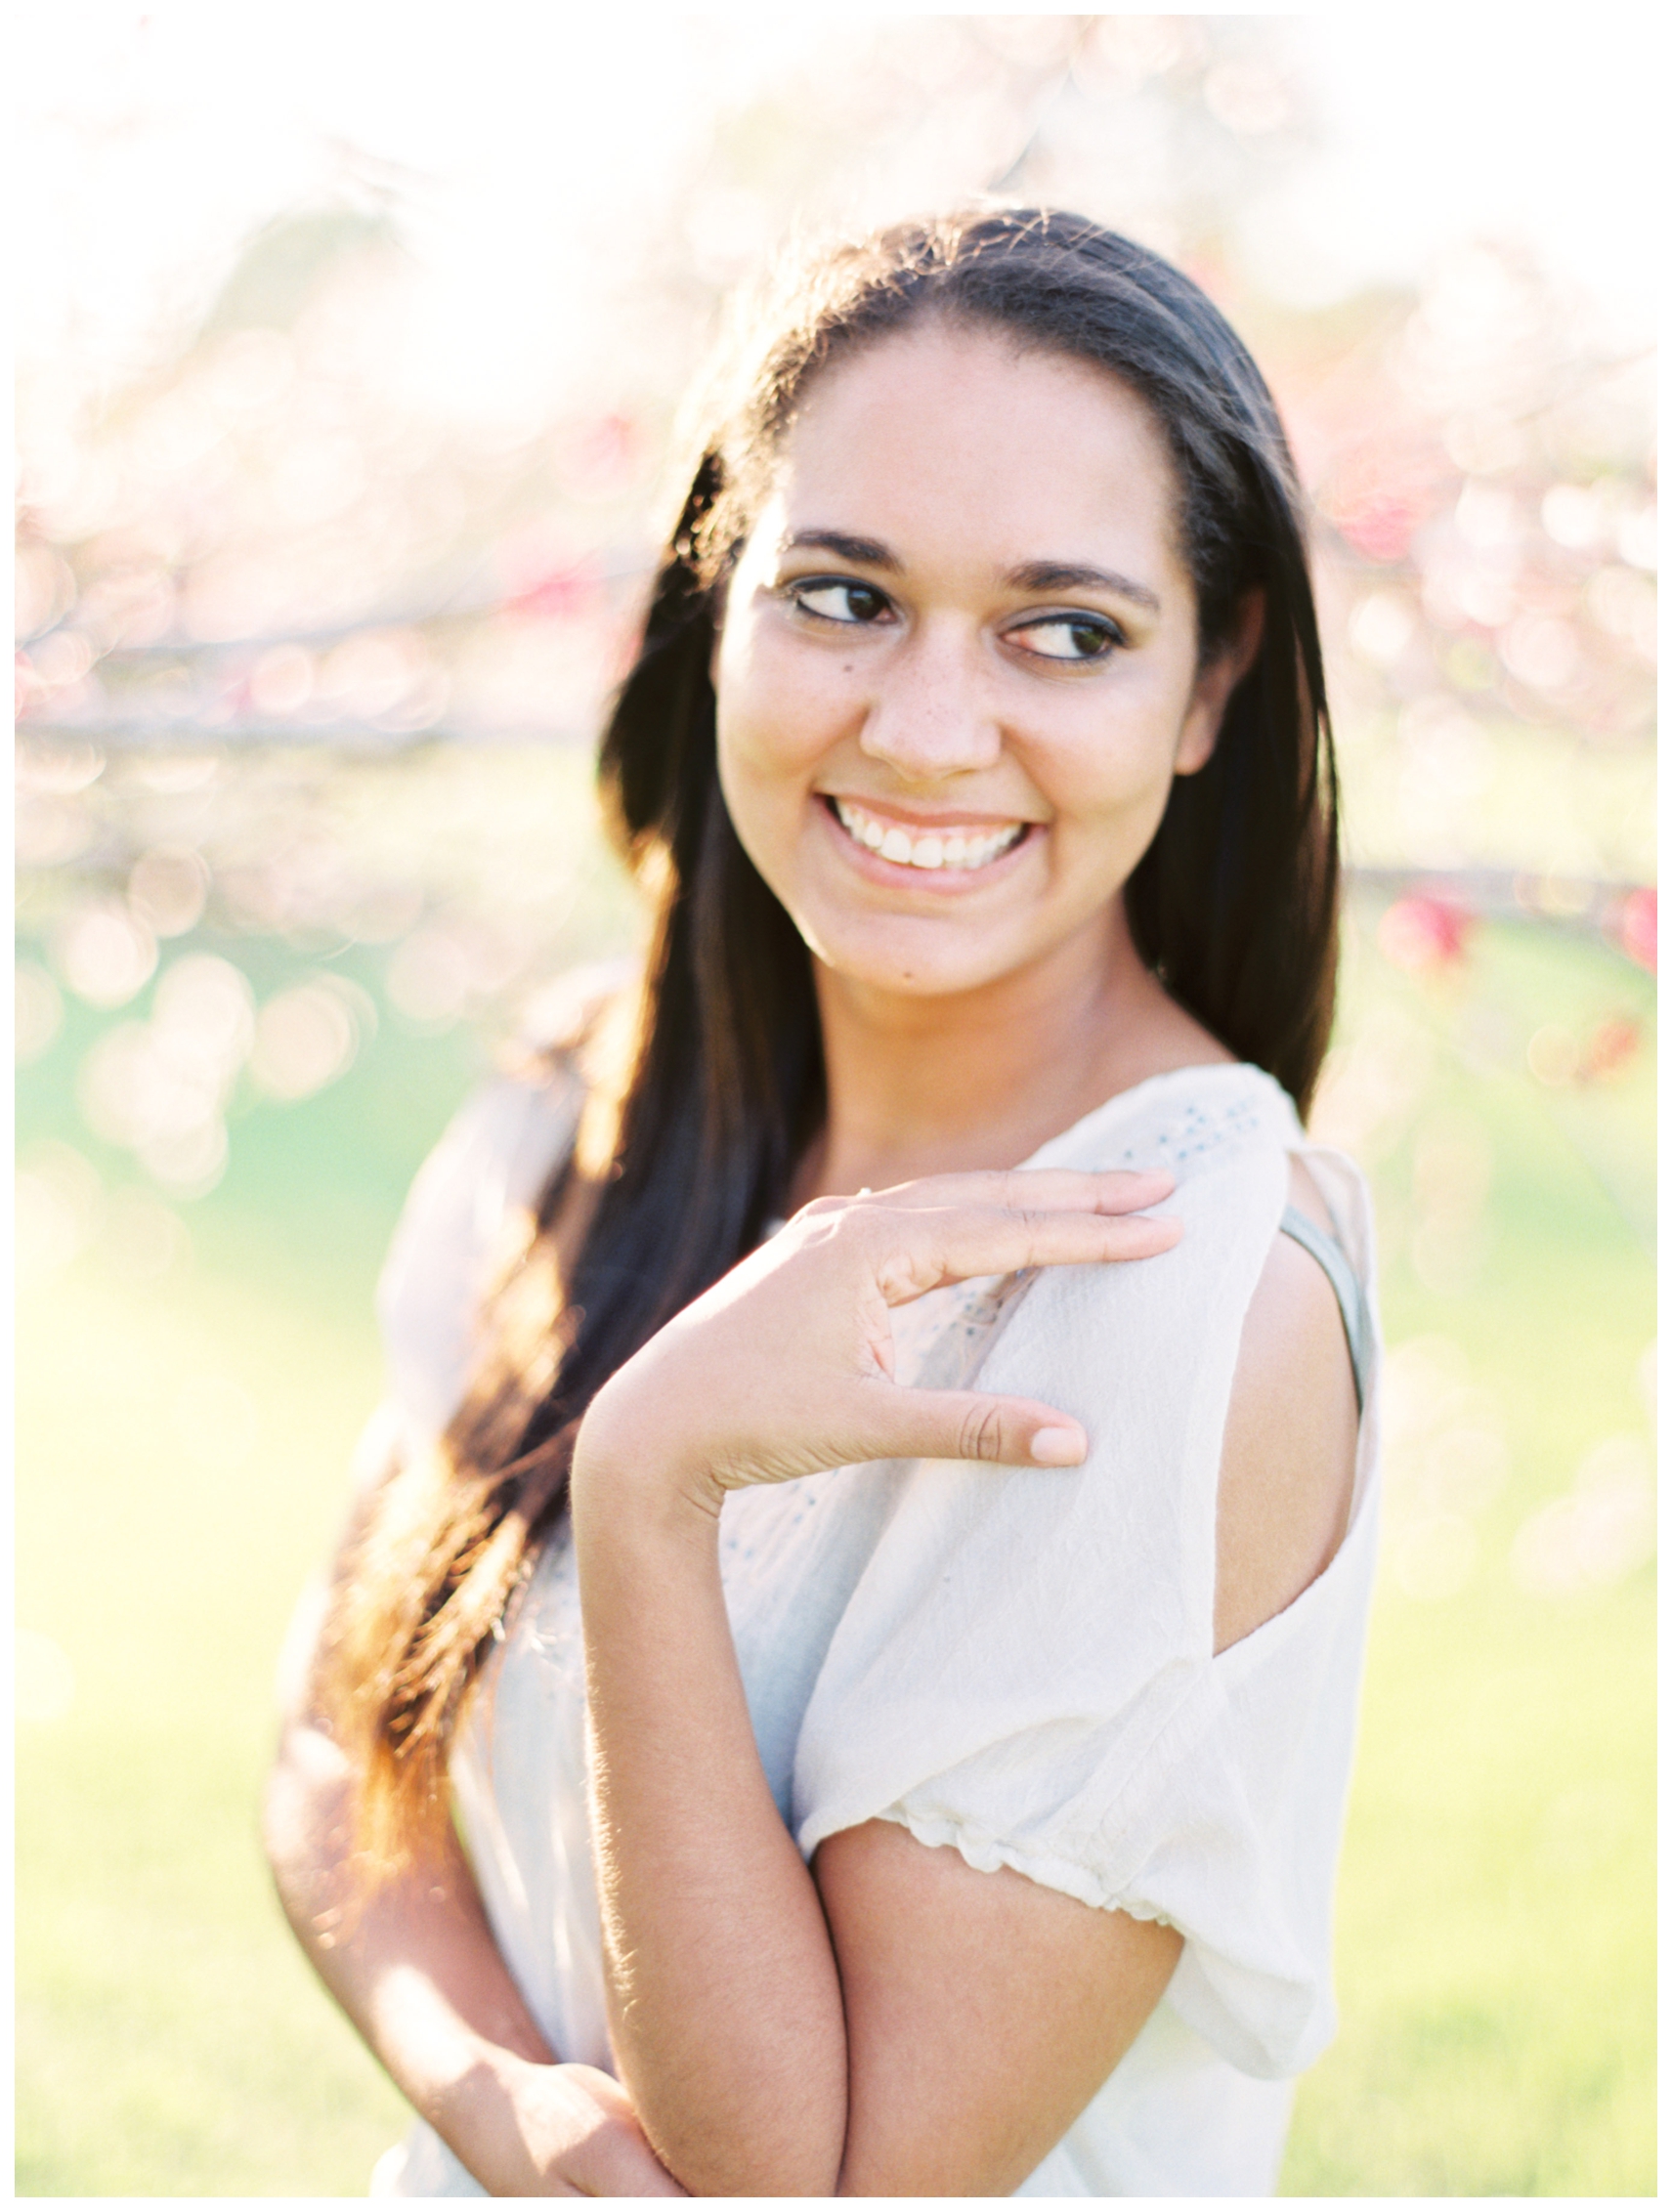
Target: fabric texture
[1014, 1662]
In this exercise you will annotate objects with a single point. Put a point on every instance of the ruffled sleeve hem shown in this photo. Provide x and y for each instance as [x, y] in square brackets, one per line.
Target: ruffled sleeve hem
[988, 1854]
[1265, 2023]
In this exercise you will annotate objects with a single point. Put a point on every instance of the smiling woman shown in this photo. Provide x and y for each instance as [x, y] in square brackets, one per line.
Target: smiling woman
[891, 1669]
[947, 761]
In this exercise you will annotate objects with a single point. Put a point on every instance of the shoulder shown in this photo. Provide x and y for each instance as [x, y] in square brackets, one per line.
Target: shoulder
[1291, 1436]
[1223, 1118]
[474, 1201]
[494, 1156]
[1223, 1363]
[471, 1208]
[1224, 1134]
[1163, 1333]
[499, 1149]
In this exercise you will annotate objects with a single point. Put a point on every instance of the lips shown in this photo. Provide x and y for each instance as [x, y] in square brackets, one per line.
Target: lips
[961, 847]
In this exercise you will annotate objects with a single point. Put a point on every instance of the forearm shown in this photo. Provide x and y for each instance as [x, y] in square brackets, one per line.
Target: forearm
[412, 1961]
[725, 2000]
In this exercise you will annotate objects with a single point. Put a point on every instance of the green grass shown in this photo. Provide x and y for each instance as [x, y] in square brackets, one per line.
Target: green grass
[1496, 1962]
[171, 2040]
[1496, 1918]
[1497, 1924]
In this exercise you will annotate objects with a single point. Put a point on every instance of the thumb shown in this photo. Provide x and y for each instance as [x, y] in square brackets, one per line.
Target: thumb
[970, 1425]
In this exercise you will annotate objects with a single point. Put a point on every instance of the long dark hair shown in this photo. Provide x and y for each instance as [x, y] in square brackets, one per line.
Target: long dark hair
[1233, 905]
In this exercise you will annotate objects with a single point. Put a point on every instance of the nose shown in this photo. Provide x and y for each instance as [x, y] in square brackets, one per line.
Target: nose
[929, 717]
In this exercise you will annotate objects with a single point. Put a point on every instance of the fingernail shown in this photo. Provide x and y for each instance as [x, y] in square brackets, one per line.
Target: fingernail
[1057, 1447]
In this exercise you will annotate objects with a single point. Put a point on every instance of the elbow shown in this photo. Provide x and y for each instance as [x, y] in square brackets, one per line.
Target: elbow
[714, 2171]
[796, 2152]
[305, 1818]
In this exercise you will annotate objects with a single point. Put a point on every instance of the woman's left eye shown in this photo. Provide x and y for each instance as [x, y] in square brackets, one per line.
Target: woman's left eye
[1069, 637]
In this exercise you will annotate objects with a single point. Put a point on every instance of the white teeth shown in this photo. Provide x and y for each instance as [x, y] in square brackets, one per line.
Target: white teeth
[956, 848]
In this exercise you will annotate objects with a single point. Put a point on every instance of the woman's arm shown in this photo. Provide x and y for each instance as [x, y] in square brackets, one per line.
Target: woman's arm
[413, 1962]
[906, 2025]
[726, 2006]
[773, 2030]
[902, 2024]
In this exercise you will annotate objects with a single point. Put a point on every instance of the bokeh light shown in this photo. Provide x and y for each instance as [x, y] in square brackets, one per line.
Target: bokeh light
[264, 580]
[1599, 1531]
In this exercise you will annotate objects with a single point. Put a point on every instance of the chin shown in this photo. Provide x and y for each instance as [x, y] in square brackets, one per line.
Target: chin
[932, 971]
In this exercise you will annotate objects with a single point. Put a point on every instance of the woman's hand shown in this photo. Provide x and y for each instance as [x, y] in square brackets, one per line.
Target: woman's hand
[787, 1365]
[415, 1964]
[566, 2131]
[412, 1961]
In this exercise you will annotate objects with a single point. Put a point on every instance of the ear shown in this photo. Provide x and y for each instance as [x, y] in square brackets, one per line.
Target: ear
[1215, 680]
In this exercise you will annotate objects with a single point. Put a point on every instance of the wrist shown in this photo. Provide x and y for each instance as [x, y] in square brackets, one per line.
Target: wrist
[480, 2115]
[626, 1477]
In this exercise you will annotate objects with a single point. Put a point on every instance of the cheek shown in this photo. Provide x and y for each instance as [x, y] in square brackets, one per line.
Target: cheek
[767, 709]
[748, 793]
[1117, 774]
[762, 784]
[1121, 754]
[763, 778]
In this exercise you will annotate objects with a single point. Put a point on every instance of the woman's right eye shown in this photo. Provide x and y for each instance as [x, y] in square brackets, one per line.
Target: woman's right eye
[835, 599]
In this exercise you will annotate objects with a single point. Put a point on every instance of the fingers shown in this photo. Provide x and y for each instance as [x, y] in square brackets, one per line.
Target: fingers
[925, 1250]
[622, 2167]
[965, 1424]
[1114, 1190]
[947, 1229]
[614, 2158]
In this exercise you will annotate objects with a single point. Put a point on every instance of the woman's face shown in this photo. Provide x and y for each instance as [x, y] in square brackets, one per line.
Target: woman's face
[956, 673]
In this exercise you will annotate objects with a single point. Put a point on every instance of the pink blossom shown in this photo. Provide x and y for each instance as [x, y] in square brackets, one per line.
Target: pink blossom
[1424, 934]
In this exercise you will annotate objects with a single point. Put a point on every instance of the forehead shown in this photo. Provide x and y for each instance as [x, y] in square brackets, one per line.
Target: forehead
[967, 435]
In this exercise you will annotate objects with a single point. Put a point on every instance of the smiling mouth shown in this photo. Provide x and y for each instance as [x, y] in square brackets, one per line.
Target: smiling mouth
[956, 848]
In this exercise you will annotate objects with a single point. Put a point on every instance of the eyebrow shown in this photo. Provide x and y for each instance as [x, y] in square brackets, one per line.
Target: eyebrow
[867, 552]
[1072, 575]
[1031, 576]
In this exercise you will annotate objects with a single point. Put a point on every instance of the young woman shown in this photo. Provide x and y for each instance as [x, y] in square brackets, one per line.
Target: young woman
[882, 1607]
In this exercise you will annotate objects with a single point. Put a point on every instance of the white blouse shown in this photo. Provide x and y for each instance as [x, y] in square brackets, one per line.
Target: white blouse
[1016, 1662]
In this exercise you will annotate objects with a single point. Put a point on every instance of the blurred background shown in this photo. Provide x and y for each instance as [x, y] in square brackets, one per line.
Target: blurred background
[351, 342]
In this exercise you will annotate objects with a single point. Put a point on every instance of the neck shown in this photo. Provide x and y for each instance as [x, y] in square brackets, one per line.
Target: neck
[981, 1078]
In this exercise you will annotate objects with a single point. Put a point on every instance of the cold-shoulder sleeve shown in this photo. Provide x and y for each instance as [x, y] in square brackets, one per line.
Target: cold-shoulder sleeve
[1025, 1669]
[466, 1209]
